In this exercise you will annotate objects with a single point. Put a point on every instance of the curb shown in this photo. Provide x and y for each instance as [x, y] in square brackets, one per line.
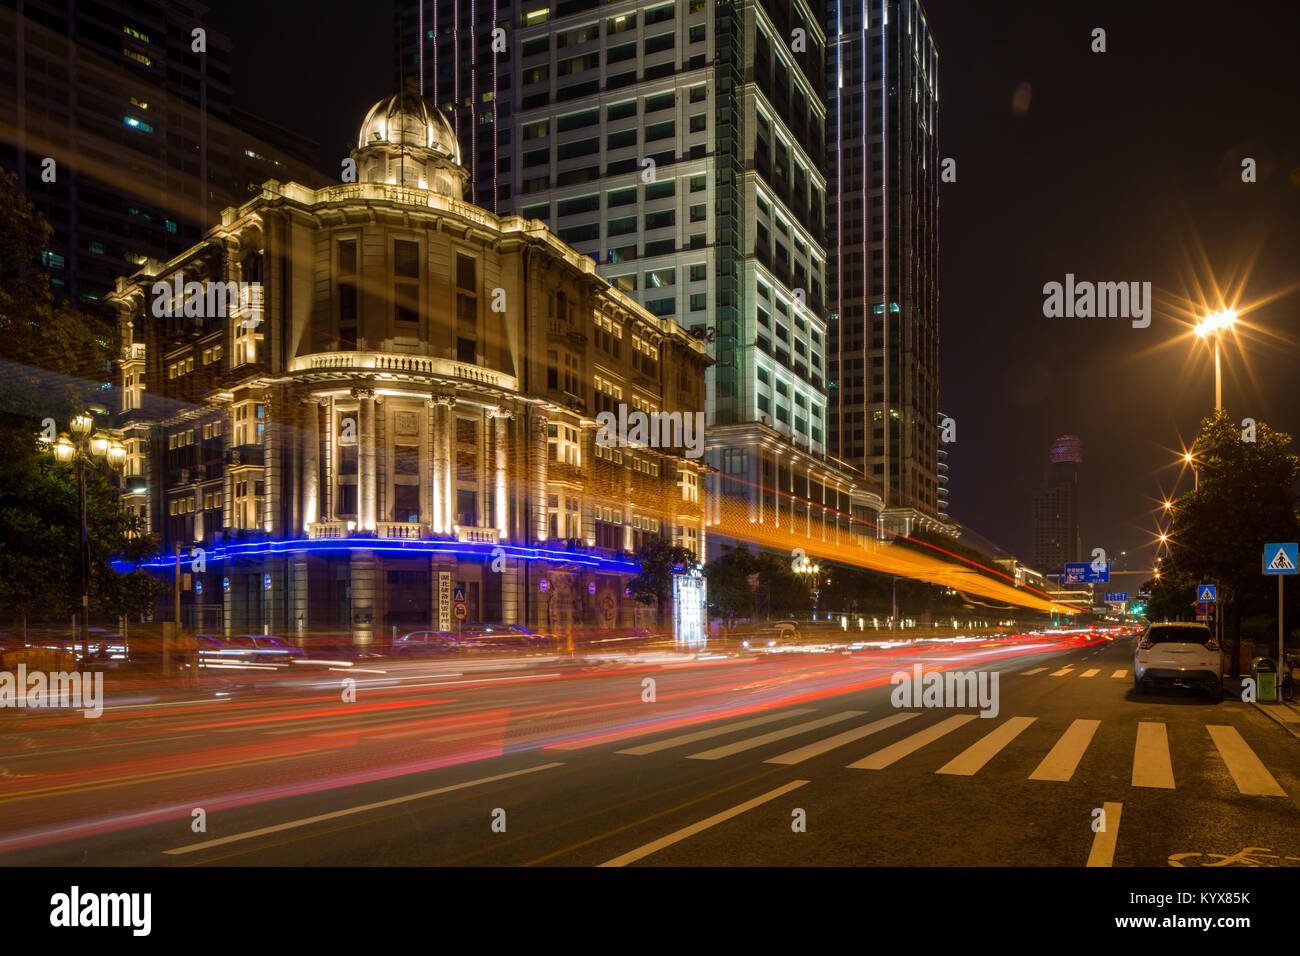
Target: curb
[1278, 713]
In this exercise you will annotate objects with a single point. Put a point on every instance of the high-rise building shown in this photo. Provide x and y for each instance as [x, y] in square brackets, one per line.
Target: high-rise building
[356, 409]
[1056, 508]
[681, 146]
[942, 499]
[123, 135]
[883, 169]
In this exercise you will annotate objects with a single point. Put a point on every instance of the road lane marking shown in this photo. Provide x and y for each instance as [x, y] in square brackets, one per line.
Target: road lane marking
[1036, 670]
[751, 742]
[884, 757]
[307, 821]
[970, 760]
[830, 743]
[1247, 770]
[1122, 672]
[1151, 763]
[1062, 672]
[712, 732]
[1091, 672]
[1062, 760]
[1103, 843]
[677, 836]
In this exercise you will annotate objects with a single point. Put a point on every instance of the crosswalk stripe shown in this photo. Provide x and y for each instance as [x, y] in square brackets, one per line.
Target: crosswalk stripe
[750, 743]
[830, 743]
[1103, 844]
[1122, 672]
[1062, 760]
[1062, 672]
[713, 732]
[1091, 672]
[884, 757]
[970, 760]
[1151, 764]
[1036, 670]
[1248, 772]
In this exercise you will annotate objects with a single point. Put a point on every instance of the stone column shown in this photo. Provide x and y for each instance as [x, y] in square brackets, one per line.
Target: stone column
[270, 471]
[500, 418]
[442, 423]
[328, 493]
[539, 489]
[428, 473]
[310, 456]
[365, 459]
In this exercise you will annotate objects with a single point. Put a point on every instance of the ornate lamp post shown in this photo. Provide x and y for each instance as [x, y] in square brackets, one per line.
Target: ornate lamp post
[85, 446]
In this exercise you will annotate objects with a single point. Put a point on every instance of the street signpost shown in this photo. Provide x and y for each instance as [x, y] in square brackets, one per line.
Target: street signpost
[1116, 597]
[1281, 559]
[1083, 573]
[1207, 594]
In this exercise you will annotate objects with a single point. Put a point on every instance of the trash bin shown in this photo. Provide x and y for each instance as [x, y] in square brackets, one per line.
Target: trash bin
[1264, 671]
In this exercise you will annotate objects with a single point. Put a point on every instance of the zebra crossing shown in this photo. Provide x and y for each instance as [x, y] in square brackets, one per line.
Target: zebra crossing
[1153, 764]
[1070, 670]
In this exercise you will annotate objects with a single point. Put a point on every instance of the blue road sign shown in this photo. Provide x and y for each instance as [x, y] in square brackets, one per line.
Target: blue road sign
[1116, 597]
[1281, 558]
[1207, 593]
[458, 594]
[1083, 573]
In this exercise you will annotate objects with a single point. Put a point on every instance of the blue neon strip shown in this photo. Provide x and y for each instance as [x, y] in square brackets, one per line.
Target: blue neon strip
[256, 549]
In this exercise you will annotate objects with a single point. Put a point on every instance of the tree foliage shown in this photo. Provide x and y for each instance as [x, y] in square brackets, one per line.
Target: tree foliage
[1245, 497]
[52, 359]
[659, 559]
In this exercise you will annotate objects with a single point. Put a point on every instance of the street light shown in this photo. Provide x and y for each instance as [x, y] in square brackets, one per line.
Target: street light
[81, 448]
[1214, 325]
[1196, 475]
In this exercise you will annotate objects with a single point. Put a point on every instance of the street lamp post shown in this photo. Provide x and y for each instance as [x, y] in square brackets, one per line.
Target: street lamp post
[1214, 325]
[86, 448]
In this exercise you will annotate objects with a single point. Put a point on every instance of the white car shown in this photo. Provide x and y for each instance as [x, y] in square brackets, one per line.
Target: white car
[1178, 654]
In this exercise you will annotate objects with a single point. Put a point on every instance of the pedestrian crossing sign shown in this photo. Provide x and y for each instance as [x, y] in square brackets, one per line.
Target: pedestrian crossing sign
[1207, 593]
[1280, 558]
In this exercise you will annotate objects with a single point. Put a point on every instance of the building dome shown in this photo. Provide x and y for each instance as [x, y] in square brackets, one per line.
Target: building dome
[407, 120]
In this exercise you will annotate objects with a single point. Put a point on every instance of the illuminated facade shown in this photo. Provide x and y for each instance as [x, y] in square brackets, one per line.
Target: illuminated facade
[402, 402]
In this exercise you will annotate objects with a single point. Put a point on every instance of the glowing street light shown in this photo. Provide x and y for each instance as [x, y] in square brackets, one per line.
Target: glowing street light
[1214, 325]
[81, 448]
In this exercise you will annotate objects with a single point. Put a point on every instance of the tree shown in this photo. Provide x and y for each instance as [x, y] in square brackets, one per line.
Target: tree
[731, 593]
[52, 359]
[1245, 497]
[783, 593]
[659, 559]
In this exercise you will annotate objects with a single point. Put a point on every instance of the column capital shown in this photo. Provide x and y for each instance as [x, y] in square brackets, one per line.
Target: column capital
[363, 393]
[440, 398]
[500, 413]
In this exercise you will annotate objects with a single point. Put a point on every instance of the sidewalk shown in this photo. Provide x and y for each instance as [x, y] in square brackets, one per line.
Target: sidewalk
[1283, 713]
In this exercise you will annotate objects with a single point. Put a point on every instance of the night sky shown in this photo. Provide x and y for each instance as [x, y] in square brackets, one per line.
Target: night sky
[1125, 166]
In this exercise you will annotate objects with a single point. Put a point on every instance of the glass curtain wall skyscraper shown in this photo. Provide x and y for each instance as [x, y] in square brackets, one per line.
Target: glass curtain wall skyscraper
[681, 146]
[883, 168]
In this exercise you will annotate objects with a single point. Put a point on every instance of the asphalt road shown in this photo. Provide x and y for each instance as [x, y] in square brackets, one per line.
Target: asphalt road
[793, 759]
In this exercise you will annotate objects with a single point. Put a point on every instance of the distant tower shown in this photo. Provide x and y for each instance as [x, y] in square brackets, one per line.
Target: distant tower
[1056, 508]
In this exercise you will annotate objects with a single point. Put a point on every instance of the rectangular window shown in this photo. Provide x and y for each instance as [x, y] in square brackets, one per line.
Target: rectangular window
[660, 101]
[618, 111]
[347, 257]
[406, 258]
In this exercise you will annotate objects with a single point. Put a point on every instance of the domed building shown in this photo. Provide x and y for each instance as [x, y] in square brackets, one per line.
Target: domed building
[350, 407]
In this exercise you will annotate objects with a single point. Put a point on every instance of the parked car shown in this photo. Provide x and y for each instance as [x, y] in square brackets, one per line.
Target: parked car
[1178, 654]
[500, 637]
[263, 649]
[425, 644]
